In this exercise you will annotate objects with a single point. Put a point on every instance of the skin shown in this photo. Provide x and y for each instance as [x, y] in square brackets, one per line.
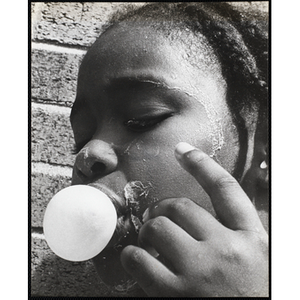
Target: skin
[126, 80]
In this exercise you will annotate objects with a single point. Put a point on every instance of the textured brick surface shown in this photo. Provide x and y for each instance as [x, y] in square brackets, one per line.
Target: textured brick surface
[54, 76]
[56, 277]
[43, 188]
[76, 23]
[51, 138]
[53, 276]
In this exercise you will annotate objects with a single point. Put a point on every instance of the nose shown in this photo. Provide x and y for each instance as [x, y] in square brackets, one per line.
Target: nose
[96, 159]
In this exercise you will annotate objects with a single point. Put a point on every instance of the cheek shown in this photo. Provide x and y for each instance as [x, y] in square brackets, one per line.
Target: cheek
[152, 153]
[151, 160]
[164, 178]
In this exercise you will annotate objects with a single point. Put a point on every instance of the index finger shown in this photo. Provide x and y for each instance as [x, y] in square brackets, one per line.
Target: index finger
[230, 202]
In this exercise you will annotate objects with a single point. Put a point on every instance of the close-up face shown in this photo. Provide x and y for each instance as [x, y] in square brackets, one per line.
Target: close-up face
[138, 96]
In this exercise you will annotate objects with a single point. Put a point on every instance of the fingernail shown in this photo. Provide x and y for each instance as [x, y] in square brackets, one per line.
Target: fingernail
[145, 216]
[182, 148]
[153, 252]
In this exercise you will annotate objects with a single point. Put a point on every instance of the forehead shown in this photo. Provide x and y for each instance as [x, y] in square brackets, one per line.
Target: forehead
[137, 49]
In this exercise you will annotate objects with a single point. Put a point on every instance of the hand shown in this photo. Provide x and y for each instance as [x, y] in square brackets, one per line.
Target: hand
[198, 255]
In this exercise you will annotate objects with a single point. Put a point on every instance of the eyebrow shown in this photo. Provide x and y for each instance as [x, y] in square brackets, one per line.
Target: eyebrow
[139, 80]
[136, 80]
[124, 81]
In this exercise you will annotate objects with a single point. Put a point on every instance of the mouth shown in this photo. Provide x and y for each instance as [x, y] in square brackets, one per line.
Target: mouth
[128, 211]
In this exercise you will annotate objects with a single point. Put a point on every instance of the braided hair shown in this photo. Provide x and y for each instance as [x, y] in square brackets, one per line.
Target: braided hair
[240, 43]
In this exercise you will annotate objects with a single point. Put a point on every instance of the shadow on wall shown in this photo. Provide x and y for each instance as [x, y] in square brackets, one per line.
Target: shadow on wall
[53, 276]
[56, 277]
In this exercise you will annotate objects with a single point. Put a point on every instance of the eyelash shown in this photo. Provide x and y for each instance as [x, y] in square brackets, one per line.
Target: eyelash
[140, 125]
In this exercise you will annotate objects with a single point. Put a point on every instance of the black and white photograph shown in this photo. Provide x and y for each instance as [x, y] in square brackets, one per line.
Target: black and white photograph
[150, 149]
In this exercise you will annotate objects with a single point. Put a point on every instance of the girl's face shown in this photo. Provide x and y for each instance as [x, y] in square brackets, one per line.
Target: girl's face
[138, 96]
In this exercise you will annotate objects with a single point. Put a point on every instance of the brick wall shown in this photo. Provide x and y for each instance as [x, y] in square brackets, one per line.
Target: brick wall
[61, 33]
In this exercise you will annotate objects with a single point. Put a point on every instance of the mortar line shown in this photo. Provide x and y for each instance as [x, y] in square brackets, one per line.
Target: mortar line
[38, 235]
[56, 48]
[51, 170]
[40, 100]
[51, 108]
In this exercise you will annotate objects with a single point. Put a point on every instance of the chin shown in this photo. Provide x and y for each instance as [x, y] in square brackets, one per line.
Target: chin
[108, 263]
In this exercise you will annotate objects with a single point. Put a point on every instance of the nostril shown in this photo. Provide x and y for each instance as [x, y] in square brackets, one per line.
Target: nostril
[98, 167]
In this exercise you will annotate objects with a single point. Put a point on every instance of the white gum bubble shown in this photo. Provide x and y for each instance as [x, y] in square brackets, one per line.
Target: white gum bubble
[79, 222]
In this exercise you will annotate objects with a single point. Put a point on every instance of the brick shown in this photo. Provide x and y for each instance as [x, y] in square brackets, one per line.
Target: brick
[54, 76]
[53, 276]
[43, 188]
[75, 23]
[51, 137]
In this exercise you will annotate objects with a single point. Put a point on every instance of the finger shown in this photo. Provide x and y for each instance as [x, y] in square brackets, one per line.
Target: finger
[192, 218]
[153, 277]
[230, 202]
[168, 239]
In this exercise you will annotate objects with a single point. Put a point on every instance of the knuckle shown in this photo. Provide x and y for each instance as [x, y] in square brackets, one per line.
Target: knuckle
[195, 159]
[178, 205]
[241, 248]
[261, 242]
[234, 251]
[154, 225]
[151, 230]
[157, 223]
[226, 182]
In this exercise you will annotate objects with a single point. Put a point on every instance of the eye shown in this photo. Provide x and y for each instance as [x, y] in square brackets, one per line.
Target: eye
[144, 124]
